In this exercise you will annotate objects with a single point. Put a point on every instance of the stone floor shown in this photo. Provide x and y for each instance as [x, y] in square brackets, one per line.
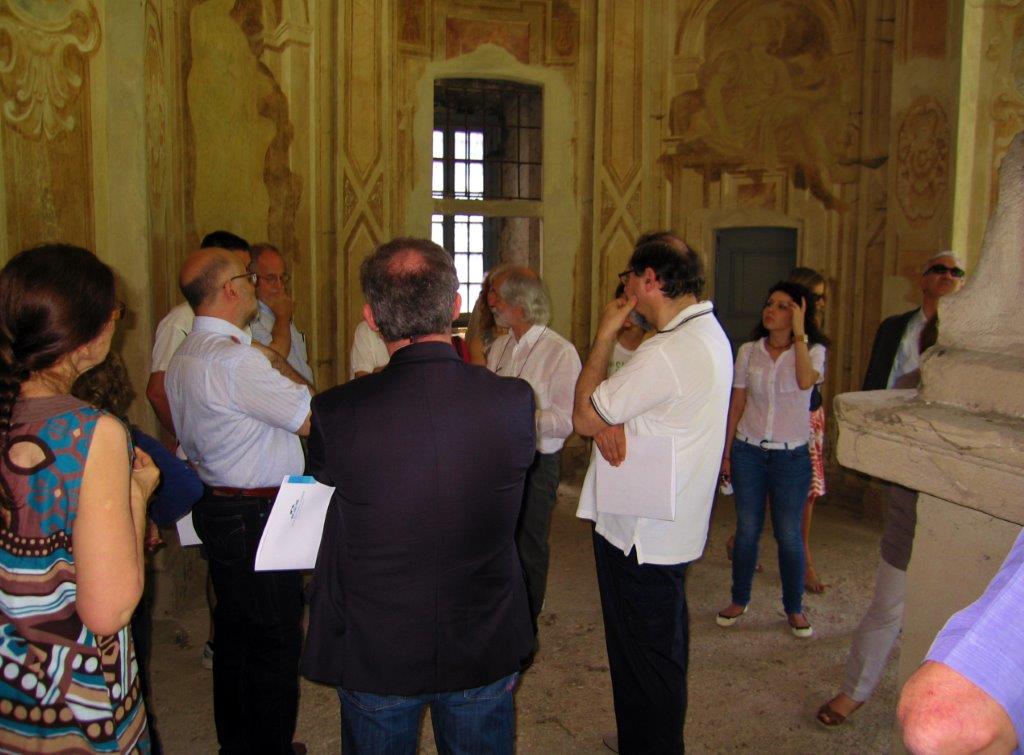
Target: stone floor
[752, 687]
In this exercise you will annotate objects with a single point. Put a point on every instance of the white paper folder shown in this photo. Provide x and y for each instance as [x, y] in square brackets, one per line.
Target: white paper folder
[644, 484]
[291, 538]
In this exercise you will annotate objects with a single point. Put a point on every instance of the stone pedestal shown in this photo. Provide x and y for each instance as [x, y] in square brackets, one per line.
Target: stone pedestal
[959, 439]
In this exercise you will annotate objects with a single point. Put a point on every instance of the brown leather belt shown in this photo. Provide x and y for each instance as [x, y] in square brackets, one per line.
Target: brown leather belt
[245, 492]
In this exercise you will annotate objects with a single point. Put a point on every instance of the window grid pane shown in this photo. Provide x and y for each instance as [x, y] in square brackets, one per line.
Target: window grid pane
[493, 133]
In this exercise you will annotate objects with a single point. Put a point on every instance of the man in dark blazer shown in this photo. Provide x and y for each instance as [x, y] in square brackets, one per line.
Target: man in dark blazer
[897, 340]
[418, 596]
[894, 364]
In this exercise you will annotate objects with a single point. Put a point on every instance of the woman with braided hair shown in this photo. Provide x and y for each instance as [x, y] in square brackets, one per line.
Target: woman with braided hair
[72, 515]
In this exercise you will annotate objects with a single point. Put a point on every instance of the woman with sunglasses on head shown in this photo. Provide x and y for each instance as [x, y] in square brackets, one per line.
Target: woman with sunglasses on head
[766, 451]
[72, 516]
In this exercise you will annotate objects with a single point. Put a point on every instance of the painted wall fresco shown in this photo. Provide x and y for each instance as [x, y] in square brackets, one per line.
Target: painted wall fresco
[771, 91]
[44, 83]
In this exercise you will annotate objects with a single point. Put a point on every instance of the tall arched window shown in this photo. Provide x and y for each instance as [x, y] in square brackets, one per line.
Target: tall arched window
[487, 175]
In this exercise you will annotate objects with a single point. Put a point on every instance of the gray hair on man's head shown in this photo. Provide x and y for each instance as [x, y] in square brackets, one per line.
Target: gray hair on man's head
[522, 288]
[260, 248]
[410, 285]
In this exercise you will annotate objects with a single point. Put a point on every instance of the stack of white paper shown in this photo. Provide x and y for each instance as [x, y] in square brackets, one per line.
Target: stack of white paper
[291, 538]
[644, 484]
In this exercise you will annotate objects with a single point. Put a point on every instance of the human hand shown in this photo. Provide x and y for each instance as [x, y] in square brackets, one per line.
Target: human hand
[614, 315]
[145, 477]
[611, 442]
[726, 473]
[153, 541]
[799, 314]
[281, 305]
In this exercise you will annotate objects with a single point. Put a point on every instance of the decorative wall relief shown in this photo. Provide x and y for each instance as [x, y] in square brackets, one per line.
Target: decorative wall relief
[922, 160]
[565, 28]
[464, 35]
[43, 52]
[413, 21]
[770, 92]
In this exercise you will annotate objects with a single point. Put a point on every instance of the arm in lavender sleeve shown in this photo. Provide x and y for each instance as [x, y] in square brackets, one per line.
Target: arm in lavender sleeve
[179, 488]
[977, 660]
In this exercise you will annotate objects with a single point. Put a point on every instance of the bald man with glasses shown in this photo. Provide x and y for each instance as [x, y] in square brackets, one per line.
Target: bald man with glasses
[239, 419]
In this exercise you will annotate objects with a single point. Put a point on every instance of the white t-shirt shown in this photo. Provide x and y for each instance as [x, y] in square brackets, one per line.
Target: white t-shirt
[368, 351]
[777, 407]
[620, 355]
[169, 334]
[676, 384]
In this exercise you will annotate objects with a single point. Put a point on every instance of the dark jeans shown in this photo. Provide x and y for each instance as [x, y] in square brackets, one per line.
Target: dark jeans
[784, 476]
[467, 722]
[540, 493]
[142, 635]
[647, 632]
[257, 625]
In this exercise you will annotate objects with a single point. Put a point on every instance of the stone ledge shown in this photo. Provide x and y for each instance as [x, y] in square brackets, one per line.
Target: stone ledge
[974, 380]
[975, 460]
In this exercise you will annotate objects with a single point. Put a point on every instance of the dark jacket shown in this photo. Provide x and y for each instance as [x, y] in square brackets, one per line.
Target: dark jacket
[418, 586]
[883, 350]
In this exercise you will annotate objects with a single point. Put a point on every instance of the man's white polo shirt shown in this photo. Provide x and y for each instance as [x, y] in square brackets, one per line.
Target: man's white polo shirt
[677, 383]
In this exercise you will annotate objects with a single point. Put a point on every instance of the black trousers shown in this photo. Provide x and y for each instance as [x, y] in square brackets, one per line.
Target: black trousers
[257, 625]
[647, 632]
[540, 493]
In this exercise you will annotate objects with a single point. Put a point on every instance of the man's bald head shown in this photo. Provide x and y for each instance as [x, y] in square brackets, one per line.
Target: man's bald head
[202, 274]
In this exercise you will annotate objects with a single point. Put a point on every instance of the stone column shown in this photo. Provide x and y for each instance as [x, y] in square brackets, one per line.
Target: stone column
[959, 439]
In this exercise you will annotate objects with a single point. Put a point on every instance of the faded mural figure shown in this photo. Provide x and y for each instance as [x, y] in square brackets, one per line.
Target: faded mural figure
[770, 93]
[922, 154]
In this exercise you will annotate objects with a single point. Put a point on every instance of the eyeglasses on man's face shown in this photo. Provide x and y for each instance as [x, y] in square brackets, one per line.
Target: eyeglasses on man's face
[251, 276]
[624, 275]
[956, 272]
[273, 278]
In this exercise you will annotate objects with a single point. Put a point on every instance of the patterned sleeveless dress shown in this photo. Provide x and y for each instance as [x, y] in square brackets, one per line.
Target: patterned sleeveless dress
[62, 688]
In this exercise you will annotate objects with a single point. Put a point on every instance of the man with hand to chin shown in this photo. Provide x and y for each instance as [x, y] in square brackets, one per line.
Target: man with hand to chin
[677, 385]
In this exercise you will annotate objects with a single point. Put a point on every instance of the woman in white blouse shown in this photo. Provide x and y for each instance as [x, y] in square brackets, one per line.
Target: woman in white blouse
[766, 453]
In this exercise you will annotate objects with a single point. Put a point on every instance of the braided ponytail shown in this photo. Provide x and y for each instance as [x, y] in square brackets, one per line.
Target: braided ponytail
[53, 299]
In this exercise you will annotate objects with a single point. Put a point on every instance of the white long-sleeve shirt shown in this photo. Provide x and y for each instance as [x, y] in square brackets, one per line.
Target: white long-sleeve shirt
[550, 364]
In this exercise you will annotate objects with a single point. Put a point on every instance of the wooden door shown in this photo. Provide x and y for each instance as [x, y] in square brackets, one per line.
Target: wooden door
[749, 261]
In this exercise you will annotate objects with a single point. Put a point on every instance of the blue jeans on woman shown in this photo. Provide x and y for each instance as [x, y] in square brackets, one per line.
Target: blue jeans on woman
[783, 477]
[465, 722]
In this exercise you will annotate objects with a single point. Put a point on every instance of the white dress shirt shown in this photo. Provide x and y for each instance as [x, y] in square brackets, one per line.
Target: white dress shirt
[263, 332]
[170, 332]
[777, 407]
[908, 355]
[368, 351]
[675, 384]
[236, 416]
[550, 364]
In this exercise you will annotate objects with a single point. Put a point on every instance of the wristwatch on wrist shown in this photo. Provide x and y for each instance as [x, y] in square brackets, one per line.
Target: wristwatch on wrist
[802, 338]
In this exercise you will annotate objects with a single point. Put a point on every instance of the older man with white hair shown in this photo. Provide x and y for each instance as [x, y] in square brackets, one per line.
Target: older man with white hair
[531, 350]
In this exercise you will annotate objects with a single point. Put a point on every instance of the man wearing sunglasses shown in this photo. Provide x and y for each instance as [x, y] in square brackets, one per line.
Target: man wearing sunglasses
[896, 349]
[274, 326]
[895, 357]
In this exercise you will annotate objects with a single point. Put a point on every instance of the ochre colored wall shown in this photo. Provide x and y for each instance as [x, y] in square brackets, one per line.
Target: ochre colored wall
[307, 124]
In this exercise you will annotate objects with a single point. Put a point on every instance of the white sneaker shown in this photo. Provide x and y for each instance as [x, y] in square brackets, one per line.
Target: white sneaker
[207, 657]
